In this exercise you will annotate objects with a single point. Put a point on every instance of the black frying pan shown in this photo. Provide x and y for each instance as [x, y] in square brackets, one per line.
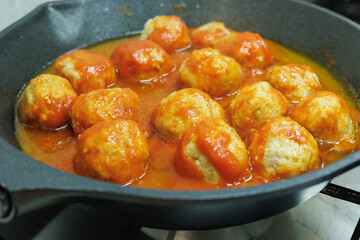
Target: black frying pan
[52, 29]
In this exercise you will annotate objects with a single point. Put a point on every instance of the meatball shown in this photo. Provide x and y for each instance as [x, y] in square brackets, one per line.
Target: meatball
[255, 104]
[141, 61]
[248, 49]
[325, 115]
[85, 70]
[46, 102]
[206, 35]
[212, 151]
[294, 81]
[184, 109]
[209, 71]
[282, 148]
[170, 32]
[104, 105]
[114, 151]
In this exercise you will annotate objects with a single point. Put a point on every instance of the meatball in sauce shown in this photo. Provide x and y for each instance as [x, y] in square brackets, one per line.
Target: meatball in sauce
[282, 148]
[212, 151]
[170, 32]
[114, 151]
[141, 61]
[184, 109]
[294, 81]
[255, 104]
[207, 34]
[103, 105]
[248, 49]
[326, 116]
[46, 102]
[211, 72]
[87, 71]
[187, 109]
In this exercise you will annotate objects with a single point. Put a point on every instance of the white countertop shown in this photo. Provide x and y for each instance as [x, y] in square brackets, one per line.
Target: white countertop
[321, 217]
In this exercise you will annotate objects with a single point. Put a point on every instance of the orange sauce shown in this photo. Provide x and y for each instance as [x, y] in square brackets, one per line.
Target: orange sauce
[57, 148]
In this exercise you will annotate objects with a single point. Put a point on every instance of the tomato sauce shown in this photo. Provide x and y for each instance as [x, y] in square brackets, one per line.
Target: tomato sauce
[57, 148]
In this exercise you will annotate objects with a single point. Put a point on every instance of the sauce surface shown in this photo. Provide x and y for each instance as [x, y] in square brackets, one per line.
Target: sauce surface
[57, 148]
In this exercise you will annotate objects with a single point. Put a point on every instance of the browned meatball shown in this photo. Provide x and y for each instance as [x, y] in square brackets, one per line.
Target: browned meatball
[104, 105]
[46, 102]
[170, 32]
[282, 148]
[85, 70]
[325, 115]
[212, 151]
[184, 109]
[141, 61]
[209, 71]
[294, 81]
[207, 34]
[115, 151]
[248, 49]
[255, 104]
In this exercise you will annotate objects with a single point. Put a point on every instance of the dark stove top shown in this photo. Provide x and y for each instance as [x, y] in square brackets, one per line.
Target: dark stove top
[348, 8]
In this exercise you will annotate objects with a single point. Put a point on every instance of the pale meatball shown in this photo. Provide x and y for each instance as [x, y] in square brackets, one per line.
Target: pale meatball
[87, 71]
[170, 32]
[212, 151]
[184, 109]
[209, 71]
[282, 148]
[255, 104]
[141, 61]
[325, 115]
[248, 49]
[206, 35]
[104, 105]
[114, 151]
[46, 102]
[294, 81]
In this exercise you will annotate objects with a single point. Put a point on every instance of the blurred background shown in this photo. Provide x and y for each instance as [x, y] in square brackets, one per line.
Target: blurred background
[12, 10]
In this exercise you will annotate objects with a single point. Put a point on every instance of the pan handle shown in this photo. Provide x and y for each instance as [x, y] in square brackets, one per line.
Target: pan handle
[13, 204]
[5, 203]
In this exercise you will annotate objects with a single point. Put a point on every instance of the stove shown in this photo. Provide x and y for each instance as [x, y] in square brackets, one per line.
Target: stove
[332, 214]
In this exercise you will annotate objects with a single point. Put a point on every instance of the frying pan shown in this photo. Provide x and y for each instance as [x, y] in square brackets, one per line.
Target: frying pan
[52, 29]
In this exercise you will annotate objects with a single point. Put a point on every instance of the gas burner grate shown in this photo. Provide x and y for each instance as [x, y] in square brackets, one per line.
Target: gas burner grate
[356, 234]
[345, 194]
